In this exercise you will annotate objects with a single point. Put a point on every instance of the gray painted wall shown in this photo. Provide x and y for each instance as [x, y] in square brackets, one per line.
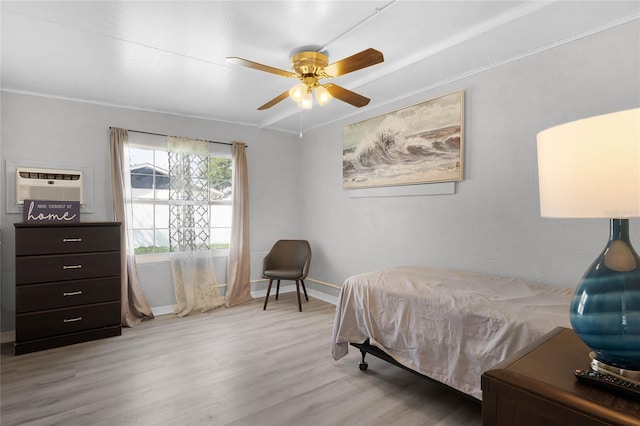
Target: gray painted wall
[57, 132]
[492, 223]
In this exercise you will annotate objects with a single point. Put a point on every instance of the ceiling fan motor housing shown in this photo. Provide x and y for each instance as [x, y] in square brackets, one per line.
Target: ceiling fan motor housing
[309, 63]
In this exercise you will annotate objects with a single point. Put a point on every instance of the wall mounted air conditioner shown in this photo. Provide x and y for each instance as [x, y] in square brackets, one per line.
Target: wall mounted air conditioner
[48, 184]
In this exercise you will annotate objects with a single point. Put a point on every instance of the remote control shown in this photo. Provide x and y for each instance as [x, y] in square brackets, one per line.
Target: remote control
[611, 383]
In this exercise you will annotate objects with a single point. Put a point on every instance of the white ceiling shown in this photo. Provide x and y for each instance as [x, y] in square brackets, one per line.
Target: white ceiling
[170, 56]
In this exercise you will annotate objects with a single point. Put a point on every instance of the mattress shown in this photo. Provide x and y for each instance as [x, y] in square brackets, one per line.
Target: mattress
[445, 324]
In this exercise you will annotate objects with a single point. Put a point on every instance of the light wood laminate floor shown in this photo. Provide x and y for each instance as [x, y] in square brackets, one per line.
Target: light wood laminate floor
[237, 366]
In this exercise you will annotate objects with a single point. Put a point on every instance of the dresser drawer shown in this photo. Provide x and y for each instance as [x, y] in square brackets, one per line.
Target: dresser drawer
[60, 321]
[39, 269]
[34, 297]
[66, 239]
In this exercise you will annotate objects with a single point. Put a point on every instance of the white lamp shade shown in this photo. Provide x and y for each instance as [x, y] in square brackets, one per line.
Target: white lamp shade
[322, 95]
[298, 91]
[307, 101]
[591, 168]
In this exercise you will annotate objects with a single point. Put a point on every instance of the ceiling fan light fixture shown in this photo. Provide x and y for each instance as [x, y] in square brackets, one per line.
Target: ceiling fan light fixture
[307, 101]
[298, 92]
[322, 95]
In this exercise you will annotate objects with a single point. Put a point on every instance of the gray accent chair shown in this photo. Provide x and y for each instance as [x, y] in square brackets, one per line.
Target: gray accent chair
[287, 260]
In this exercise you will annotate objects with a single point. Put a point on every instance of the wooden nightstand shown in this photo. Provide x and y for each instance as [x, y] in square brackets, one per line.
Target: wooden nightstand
[536, 386]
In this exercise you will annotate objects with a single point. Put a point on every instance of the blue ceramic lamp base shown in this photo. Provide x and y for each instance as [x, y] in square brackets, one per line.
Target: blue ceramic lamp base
[605, 310]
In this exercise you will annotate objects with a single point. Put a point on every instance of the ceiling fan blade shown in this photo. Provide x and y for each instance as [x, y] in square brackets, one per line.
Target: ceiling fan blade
[259, 67]
[346, 95]
[364, 59]
[282, 96]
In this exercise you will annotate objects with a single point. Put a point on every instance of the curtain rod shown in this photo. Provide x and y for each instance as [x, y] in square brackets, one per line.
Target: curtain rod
[160, 134]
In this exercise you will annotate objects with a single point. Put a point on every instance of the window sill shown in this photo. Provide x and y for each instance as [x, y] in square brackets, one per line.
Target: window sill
[164, 257]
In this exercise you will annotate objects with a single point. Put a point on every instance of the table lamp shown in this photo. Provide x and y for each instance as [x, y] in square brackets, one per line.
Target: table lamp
[591, 169]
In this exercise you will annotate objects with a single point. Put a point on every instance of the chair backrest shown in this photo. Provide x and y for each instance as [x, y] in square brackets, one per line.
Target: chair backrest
[289, 254]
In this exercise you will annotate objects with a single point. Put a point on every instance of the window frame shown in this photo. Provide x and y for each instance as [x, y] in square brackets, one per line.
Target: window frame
[158, 143]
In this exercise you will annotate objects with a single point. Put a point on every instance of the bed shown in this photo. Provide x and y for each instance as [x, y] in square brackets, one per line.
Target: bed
[447, 325]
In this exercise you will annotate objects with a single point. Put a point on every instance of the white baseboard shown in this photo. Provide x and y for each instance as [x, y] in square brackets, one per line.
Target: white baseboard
[325, 297]
[259, 294]
[290, 288]
[162, 310]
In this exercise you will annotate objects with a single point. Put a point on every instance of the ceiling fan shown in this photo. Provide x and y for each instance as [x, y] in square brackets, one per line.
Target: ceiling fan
[309, 67]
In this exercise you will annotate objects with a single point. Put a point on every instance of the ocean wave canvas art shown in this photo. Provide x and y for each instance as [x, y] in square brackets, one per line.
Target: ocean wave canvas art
[419, 144]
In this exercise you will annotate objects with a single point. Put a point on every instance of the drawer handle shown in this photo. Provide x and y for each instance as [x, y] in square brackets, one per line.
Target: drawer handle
[72, 240]
[72, 267]
[73, 319]
[72, 293]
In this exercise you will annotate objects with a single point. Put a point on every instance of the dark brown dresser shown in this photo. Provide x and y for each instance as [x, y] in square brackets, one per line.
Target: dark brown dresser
[536, 387]
[67, 284]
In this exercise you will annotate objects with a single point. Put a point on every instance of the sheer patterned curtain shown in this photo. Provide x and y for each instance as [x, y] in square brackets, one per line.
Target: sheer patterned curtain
[194, 277]
[134, 306]
[238, 276]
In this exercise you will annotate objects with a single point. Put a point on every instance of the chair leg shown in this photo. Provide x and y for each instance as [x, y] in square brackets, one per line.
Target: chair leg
[298, 291]
[266, 299]
[305, 290]
[277, 289]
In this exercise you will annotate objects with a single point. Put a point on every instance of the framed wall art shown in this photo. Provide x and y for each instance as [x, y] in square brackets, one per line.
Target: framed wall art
[423, 143]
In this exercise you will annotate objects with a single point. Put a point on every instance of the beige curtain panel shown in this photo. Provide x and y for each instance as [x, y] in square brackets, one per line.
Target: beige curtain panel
[238, 274]
[134, 306]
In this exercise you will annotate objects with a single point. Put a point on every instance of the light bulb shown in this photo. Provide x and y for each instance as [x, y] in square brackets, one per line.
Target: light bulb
[298, 91]
[322, 95]
[307, 101]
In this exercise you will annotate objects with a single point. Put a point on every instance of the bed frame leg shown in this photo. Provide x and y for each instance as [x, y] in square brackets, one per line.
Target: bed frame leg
[363, 364]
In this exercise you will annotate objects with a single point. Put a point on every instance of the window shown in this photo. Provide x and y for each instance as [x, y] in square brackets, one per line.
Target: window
[149, 168]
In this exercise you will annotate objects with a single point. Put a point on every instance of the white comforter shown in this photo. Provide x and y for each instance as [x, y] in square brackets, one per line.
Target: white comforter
[448, 325]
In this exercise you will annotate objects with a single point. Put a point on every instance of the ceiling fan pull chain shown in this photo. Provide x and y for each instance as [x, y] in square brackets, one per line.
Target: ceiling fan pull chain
[300, 134]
